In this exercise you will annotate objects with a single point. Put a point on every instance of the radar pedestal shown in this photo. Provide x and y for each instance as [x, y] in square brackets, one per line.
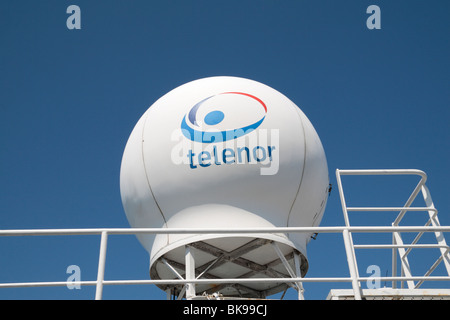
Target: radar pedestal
[243, 258]
[231, 255]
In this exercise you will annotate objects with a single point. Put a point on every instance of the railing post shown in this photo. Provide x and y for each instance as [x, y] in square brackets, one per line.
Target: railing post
[342, 198]
[190, 273]
[101, 266]
[348, 243]
[301, 290]
[394, 261]
[435, 223]
[352, 264]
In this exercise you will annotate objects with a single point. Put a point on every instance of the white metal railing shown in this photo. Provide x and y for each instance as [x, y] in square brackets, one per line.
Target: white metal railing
[397, 242]
[100, 282]
[346, 231]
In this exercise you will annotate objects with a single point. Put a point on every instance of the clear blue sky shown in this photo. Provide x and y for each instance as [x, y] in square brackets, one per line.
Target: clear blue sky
[70, 98]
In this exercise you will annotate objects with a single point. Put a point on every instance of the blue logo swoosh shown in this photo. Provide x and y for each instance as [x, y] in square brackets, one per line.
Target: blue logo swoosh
[217, 136]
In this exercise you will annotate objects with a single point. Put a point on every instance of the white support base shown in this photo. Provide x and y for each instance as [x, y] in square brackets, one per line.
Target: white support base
[391, 294]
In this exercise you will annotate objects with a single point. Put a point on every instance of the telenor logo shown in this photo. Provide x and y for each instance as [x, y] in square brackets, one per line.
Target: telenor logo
[206, 121]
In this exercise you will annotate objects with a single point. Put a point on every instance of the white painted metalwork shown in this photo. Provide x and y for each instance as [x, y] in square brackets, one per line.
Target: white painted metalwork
[392, 294]
[397, 241]
[101, 265]
[190, 279]
[190, 273]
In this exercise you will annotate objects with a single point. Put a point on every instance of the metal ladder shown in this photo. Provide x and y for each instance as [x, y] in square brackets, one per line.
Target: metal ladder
[399, 248]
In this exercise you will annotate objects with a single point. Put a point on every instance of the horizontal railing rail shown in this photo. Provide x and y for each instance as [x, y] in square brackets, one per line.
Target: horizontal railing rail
[136, 231]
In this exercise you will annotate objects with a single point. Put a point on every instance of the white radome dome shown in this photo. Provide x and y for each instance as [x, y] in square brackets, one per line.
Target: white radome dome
[223, 152]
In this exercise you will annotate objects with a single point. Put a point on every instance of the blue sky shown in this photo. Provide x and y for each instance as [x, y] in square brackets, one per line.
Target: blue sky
[70, 98]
